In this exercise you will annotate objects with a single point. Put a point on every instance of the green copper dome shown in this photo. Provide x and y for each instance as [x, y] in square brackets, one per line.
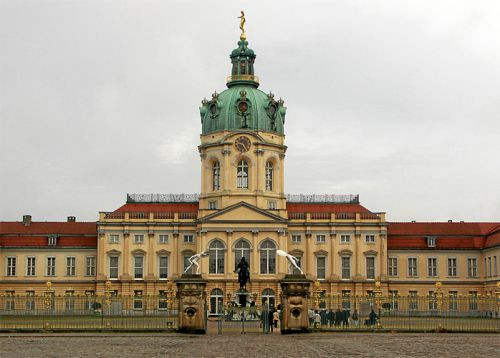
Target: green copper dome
[242, 105]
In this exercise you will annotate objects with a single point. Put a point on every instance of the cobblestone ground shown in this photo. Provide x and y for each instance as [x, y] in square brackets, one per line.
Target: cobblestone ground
[250, 345]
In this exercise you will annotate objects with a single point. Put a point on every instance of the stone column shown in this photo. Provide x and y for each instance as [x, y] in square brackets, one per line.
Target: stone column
[383, 257]
[254, 264]
[176, 256]
[230, 255]
[357, 254]
[126, 257]
[101, 257]
[150, 256]
[333, 257]
[308, 254]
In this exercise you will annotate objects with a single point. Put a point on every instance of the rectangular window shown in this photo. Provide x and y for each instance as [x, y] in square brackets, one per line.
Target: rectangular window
[89, 302]
[393, 266]
[370, 268]
[271, 205]
[69, 300]
[186, 264]
[369, 239]
[320, 239]
[212, 205]
[293, 270]
[346, 267]
[432, 301]
[452, 266]
[495, 265]
[413, 301]
[188, 239]
[52, 240]
[472, 267]
[139, 239]
[113, 267]
[345, 239]
[137, 300]
[138, 266]
[162, 239]
[394, 300]
[162, 300]
[11, 266]
[30, 300]
[431, 241]
[70, 266]
[30, 266]
[412, 266]
[432, 267]
[51, 266]
[90, 266]
[321, 267]
[10, 304]
[296, 239]
[473, 300]
[346, 299]
[163, 261]
[452, 299]
[489, 267]
[114, 239]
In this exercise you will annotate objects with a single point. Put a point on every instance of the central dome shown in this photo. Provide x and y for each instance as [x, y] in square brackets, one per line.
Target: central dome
[242, 105]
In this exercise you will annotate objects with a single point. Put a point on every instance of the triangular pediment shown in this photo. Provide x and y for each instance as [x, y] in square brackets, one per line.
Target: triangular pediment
[242, 211]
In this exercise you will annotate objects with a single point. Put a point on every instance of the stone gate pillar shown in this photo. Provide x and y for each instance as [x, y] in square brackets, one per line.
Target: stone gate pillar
[191, 299]
[294, 295]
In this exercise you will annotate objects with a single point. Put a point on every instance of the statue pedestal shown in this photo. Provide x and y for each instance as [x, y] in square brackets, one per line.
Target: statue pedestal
[294, 295]
[191, 298]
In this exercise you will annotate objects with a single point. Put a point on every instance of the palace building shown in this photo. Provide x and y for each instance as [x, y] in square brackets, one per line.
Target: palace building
[243, 210]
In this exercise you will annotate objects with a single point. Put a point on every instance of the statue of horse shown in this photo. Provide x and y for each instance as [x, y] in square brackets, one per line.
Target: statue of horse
[243, 273]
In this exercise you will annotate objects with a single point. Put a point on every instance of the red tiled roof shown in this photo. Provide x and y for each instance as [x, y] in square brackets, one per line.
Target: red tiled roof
[74, 228]
[440, 228]
[158, 208]
[62, 241]
[325, 208]
[448, 235]
[493, 239]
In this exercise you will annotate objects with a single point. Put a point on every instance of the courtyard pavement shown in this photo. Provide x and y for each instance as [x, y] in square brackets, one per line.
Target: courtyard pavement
[252, 345]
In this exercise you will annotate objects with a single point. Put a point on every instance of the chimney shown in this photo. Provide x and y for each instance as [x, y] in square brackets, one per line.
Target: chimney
[26, 220]
[450, 221]
[71, 219]
[413, 221]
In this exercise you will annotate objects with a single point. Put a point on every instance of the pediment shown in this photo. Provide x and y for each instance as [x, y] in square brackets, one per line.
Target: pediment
[242, 212]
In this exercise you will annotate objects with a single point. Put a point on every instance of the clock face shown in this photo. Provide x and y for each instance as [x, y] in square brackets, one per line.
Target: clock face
[242, 144]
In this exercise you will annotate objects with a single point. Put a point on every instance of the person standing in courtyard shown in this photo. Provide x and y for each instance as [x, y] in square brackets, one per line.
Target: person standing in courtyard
[317, 320]
[271, 319]
[276, 318]
[355, 318]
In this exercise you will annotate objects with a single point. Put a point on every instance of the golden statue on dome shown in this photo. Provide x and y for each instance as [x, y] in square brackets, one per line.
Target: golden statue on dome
[243, 37]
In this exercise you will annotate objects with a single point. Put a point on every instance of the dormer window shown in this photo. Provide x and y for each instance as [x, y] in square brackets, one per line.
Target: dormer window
[52, 240]
[431, 241]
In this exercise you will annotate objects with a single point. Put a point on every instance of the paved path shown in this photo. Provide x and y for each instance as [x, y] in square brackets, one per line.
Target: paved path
[250, 345]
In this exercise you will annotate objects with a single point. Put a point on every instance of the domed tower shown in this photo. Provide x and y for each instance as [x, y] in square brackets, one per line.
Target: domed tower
[242, 142]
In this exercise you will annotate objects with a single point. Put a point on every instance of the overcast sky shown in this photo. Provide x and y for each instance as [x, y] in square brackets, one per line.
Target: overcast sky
[398, 101]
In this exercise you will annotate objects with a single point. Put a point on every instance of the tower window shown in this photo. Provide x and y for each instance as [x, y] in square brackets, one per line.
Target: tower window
[216, 176]
[269, 176]
[242, 175]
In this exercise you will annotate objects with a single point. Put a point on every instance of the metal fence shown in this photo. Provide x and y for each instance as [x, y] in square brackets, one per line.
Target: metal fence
[410, 313]
[51, 312]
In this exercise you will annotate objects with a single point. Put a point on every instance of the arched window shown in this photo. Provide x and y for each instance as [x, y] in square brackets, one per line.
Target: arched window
[268, 297]
[267, 257]
[269, 176]
[216, 259]
[216, 176]
[241, 249]
[216, 301]
[242, 175]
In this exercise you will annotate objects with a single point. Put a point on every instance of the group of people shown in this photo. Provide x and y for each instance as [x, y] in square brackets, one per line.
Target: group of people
[339, 318]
